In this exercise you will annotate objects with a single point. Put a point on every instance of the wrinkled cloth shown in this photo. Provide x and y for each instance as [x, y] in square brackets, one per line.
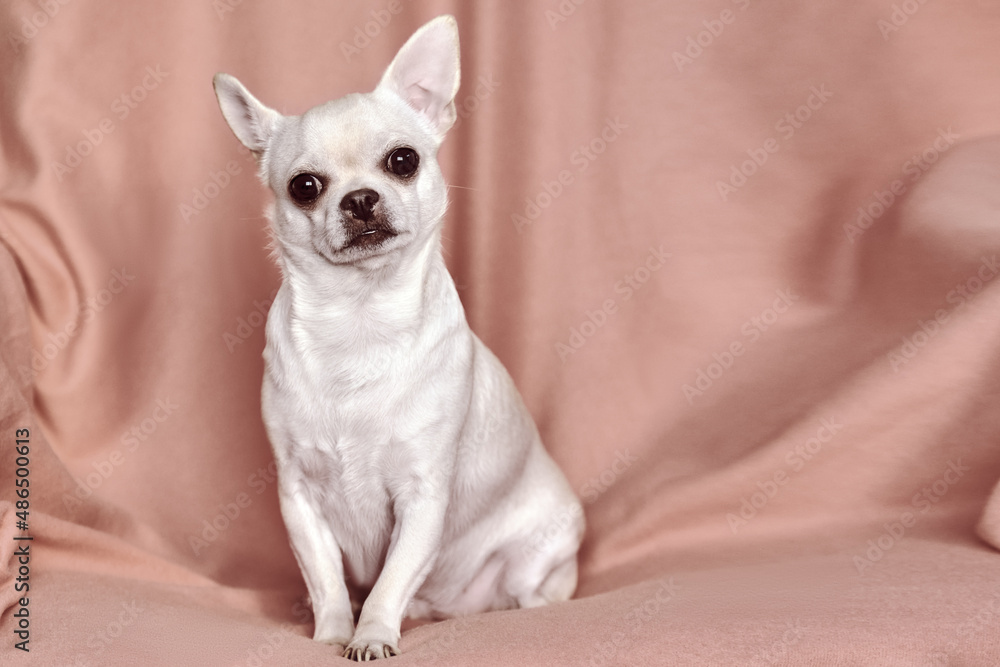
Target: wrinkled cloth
[739, 257]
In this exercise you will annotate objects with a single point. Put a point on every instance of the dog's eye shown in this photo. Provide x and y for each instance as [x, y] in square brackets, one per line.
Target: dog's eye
[403, 162]
[304, 188]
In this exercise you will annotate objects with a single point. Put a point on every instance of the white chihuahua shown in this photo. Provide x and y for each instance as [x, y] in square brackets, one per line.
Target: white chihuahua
[409, 467]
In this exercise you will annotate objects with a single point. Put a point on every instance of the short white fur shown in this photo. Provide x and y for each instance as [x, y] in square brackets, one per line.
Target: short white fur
[408, 465]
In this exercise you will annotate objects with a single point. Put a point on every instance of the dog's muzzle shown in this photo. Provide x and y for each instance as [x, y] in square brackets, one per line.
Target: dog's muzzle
[364, 219]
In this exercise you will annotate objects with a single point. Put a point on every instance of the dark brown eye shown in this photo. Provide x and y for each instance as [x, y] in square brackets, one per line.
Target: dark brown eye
[304, 188]
[403, 162]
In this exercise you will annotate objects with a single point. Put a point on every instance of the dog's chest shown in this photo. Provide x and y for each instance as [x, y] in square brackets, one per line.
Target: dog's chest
[355, 419]
[343, 452]
[348, 490]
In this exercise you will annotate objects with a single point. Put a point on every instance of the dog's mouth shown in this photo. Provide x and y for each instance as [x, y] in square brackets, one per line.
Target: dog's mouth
[369, 238]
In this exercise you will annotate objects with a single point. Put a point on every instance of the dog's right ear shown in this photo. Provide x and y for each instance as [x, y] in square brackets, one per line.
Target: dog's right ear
[252, 122]
[426, 72]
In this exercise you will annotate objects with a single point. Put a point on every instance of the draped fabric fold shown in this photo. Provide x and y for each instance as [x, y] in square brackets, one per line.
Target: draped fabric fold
[740, 258]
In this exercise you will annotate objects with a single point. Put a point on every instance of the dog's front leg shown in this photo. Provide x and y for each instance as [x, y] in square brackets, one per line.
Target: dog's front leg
[321, 563]
[415, 543]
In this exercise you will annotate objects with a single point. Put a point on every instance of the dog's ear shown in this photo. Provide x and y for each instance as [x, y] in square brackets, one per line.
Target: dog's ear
[251, 122]
[425, 73]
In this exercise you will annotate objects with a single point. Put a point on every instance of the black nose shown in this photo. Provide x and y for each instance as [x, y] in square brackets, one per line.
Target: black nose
[360, 203]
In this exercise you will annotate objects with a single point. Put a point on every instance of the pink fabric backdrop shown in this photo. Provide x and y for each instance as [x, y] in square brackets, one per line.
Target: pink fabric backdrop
[740, 258]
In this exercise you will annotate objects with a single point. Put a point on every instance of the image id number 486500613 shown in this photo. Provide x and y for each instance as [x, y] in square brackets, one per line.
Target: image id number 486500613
[22, 552]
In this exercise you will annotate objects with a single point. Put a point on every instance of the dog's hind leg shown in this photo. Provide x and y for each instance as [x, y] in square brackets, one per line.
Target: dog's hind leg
[544, 582]
[543, 569]
[557, 586]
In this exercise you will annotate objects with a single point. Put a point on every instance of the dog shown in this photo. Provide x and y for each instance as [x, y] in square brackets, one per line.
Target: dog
[409, 468]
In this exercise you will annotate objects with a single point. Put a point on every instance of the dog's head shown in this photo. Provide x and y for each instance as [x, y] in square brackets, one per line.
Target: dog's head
[357, 178]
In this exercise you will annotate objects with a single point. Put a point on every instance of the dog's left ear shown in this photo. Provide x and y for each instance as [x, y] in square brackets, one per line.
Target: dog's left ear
[253, 123]
[425, 73]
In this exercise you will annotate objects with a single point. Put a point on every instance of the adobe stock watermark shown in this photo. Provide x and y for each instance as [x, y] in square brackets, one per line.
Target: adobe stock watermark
[213, 527]
[370, 30]
[593, 489]
[225, 7]
[787, 126]
[121, 108]
[778, 649]
[914, 167]
[596, 486]
[443, 645]
[581, 159]
[626, 287]
[269, 646]
[491, 426]
[246, 325]
[218, 180]
[713, 29]
[272, 640]
[611, 651]
[751, 330]
[57, 341]
[986, 618]
[796, 459]
[485, 87]
[562, 12]
[922, 503]
[467, 447]
[130, 440]
[34, 22]
[959, 297]
[900, 16]
[102, 640]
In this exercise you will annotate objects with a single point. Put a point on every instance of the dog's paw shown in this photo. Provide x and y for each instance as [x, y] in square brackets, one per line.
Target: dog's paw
[335, 634]
[338, 640]
[372, 640]
[363, 651]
